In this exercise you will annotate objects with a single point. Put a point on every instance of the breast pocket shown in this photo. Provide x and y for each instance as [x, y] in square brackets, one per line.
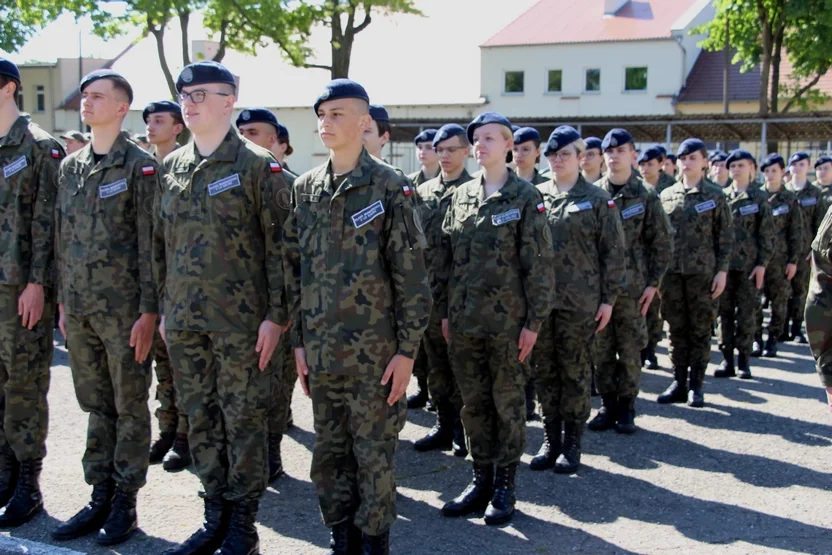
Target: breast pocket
[229, 204]
[307, 220]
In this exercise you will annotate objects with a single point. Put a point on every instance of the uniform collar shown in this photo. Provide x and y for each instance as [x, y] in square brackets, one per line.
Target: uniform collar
[15, 135]
[114, 158]
[508, 191]
[464, 177]
[629, 190]
[226, 152]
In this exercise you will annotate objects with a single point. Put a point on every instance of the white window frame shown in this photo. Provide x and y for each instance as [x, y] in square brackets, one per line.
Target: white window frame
[513, 93]
[624, 88]
[546, 82]
[583, 85]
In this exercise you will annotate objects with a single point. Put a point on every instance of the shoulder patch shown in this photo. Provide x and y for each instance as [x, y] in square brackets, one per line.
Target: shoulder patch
[611, 203]
[407, 190]
[275, 167]
[541, 207]
[56, 153]
[148, 170]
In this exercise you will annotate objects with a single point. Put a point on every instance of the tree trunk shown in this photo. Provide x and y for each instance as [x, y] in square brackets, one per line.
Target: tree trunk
[159, 34]
[726, 71]
[184, 19]
[223, 41]
[765, 59]
[777, 49]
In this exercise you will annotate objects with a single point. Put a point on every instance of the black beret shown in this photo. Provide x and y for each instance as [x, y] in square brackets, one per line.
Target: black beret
[484, 119]
[561, 137]
[525, 134]
[162, 106]
[823, 160]
[448, 132]
[717, 156]
[104, 74]
[341, 88]
[615, 138]
[282, 131]
[201, 73]
[593, 142]
[689, 146]
[9, 69]
[651, 153]
[257, 115]
[740, 154]
[663, 149]
[379, 113]
[515, 128]
[798, 156]
[775, 159]
[425, 136]
[672, 157]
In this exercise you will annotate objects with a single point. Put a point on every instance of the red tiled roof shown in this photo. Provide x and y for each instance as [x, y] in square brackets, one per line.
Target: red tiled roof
[570, 21]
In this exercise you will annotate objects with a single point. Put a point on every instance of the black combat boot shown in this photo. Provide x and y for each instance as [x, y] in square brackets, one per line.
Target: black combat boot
[677, 391]
[375, 545]
[696, 398]
[570, 457]
[179, 457]
[460, 447]
[757, 346]
[419, 399]
[501, 508]
[242, 538]
[605, 417]
[726, 367]
[90, 518]
[531, 413]
[743, 367]
[785, 336]
[161, 447]
[210, 536]
[648, 355]
[275, 458]
[476, 496]
[770, 350]
[345, 539]
[122, 521]
[550, 450]
[625, 422]
[9, 471]
[27, 500]
[441, 436]
[797, 332]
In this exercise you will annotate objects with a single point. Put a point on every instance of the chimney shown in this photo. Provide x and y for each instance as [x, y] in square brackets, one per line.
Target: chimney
[611, 7]
[204, 50]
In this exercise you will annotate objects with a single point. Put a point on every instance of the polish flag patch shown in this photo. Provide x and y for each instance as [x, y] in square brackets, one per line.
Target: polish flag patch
[541, 207]
[56, 153]
[611, 203]
[148, 170]
[275, 167]
[407, 190]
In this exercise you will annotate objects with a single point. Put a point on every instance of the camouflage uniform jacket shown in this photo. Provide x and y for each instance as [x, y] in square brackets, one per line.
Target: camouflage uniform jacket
[589, 246]
[819, 301]
[537, 178]
[647, 233]
[814, 208]
[104, 232]
[30, 158]
[703, 233]
[753, 228]
[355, 271]
[419, 177]
[826, 194]
[217, 244]
[665, 181]
[789, 233]
[495, 274]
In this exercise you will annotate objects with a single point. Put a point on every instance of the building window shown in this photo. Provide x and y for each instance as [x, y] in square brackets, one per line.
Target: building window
[513, 83]
[41, 98]
[635, 79]
[554, 82]
[592, 83]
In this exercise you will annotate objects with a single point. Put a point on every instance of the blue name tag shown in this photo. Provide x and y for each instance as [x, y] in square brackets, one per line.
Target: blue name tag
[780, 210]
[580, 206]
[633, 211]
[11, 169]
[811, 201]
[749, 209]
[367, 215]
[705, 206]
[112, 189]
[224, 184]
[512, 215]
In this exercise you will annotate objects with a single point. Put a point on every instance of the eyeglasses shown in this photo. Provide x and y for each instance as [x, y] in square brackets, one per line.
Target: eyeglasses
[589, 155]
[197, 96]
[561, 155]
[440, 150]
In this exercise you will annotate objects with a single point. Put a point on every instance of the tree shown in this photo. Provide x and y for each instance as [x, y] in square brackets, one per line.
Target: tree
[20, 19]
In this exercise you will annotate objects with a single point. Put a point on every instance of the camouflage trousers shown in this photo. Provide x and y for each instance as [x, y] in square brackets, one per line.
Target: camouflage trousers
[617, 350]
[225, 395]
[441, 382]
[25, 357]
[492, 384]
[800, 289]
[420, 366]
[561, 362]
[284, 375]
[654, 322]
[738, 307]
[113, 389]
[777, 290]
[171, 419]
[354, 458]
[690, 312]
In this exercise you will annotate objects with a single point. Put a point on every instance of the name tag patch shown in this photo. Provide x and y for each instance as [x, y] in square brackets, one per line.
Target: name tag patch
[367, 215]
[811, 201]
[780, 210]
[579, 206]
[705, 206]
[512, 215]
[306, 197]
[112, 189]
[749, 209]
[634, 210]
[224, 184]
[14, 167]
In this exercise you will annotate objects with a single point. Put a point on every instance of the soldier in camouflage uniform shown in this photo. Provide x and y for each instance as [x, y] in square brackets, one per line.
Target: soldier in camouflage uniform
[360, 299]
[813, 208]
[109, 304]
[592, 162]
[789, 240]
[217, 255]
[260, 126]
[30, 159]
[703, 238]
[589, 264]
[819, 304]
[753, 248]
[434, 198]
[649, 247]
[495, 286]
[427, 158]
[823, 172]
[718, 169]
